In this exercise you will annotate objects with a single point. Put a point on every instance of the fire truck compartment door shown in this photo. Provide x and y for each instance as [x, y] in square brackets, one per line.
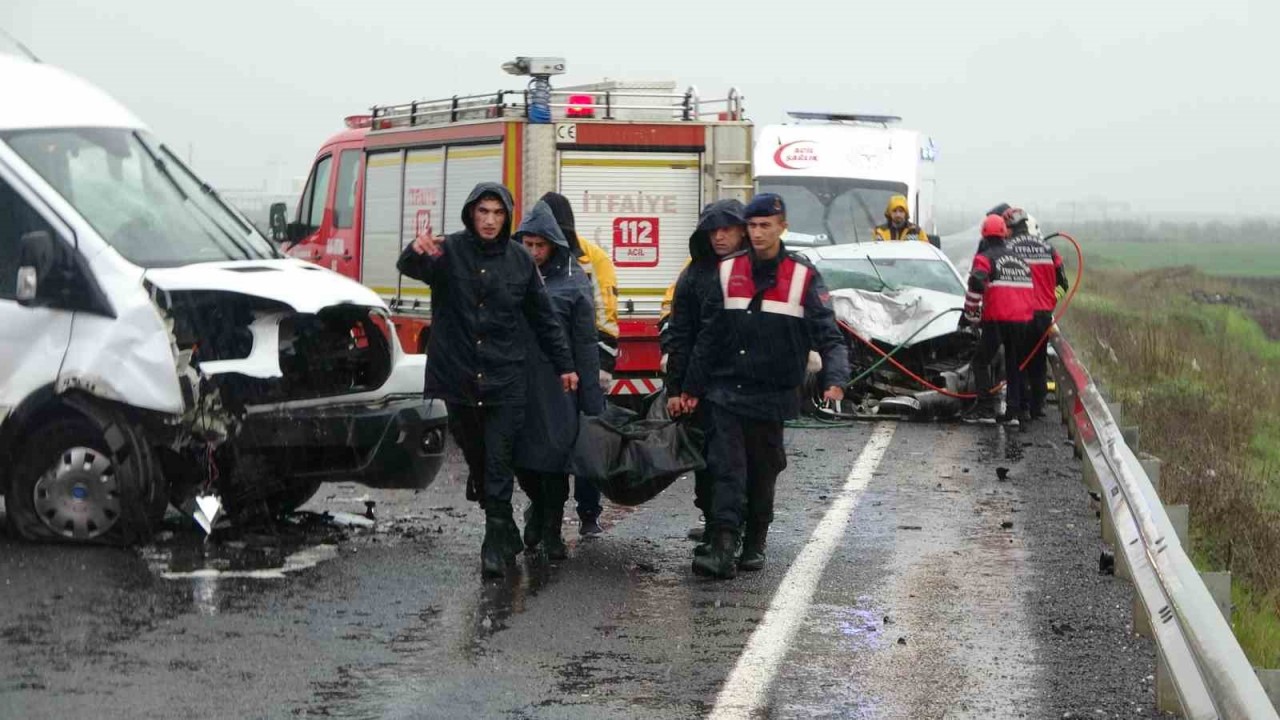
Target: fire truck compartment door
[640, 207]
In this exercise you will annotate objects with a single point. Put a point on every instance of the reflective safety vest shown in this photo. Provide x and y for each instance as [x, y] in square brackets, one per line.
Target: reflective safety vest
[786, 297]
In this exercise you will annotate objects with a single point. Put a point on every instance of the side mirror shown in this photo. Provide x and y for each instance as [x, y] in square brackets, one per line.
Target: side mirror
[42, 269]
[278, 222]
[936, 241]
[296, 232]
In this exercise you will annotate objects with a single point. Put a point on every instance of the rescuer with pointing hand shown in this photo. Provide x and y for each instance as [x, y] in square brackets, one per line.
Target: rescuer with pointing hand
[484, 290]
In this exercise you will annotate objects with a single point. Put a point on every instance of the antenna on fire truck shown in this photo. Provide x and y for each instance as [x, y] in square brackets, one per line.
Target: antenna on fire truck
[541, 69]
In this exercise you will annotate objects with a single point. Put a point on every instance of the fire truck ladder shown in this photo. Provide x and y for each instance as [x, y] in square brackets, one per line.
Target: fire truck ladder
[604, 104]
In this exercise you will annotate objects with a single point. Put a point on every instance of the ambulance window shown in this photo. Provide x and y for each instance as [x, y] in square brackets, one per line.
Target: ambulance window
[317, 189]
[344, 200]
[17, 218]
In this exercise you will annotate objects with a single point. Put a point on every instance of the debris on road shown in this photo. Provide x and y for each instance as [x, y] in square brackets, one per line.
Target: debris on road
[1002, 473]
[1107, 563]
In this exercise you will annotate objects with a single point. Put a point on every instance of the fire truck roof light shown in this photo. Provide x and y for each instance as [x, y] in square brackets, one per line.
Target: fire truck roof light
[358, 121]
[581, 106]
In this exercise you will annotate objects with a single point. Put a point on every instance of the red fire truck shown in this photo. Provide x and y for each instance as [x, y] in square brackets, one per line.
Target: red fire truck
[637, 160]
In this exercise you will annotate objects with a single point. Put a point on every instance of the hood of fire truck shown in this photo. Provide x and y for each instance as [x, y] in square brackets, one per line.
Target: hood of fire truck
[892, 316]
[303, 286]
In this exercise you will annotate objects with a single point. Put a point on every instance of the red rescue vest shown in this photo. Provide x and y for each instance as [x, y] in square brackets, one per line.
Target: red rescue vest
[786, 297]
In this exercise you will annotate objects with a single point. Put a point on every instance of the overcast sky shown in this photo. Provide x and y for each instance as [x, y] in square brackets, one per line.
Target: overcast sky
[1167, 106]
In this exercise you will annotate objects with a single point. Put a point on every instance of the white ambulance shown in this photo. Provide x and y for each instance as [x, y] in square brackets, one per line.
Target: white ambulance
[837, 171]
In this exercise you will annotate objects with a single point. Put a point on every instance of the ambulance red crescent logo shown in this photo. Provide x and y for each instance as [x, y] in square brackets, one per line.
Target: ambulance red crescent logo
[797, 155]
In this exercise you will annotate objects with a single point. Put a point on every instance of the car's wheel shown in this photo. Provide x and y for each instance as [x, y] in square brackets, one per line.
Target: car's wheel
[78, 482]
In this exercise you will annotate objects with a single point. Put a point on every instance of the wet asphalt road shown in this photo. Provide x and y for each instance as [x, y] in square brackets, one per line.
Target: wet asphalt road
[950, 593]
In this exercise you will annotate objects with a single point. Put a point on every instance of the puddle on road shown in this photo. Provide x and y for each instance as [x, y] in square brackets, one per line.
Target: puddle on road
[1007, 444]
[217, 566]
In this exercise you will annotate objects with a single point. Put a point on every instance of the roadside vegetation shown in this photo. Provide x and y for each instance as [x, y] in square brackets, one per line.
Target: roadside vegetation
[1195, 359]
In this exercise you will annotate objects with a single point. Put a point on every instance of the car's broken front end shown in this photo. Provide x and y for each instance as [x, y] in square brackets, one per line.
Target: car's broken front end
[917, 329]
[283, 391]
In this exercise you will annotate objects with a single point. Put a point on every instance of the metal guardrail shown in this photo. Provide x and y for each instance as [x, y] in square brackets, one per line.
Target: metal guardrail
[1209, 672]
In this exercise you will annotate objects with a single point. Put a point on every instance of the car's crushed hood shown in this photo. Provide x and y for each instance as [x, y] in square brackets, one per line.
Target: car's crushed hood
[892, 316]
[303, 286]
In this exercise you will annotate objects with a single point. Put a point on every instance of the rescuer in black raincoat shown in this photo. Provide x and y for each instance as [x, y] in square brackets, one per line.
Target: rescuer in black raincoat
[721, 231]
[551, 415]
[748, 365]
[603, 278]
[485, 293]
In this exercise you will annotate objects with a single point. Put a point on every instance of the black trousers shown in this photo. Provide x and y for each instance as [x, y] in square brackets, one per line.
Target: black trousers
[702, 479]
[994, 337]
[745, 457]
[487, 437]
[545, 490]
[1038, 368]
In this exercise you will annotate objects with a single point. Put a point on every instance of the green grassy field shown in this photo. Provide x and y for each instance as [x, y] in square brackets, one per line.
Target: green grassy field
[1195, 360]
[1242, 259]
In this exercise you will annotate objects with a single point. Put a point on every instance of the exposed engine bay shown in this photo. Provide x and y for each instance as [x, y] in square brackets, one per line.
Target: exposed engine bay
[241, 358]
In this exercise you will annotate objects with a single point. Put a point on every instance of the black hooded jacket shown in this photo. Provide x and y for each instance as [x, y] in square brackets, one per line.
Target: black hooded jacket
[551, 414]
[695, 284]
[482, 296]
[562, 211]
[750, 357]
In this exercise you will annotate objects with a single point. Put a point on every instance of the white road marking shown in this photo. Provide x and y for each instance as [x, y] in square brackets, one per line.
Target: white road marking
[748, 684]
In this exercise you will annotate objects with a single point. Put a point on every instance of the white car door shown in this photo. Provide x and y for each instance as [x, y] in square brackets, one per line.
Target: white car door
[33, 340]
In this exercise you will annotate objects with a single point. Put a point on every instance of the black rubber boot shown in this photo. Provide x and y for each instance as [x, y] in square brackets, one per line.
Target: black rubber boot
[532, 527]
[753, 557]
[493, 561]
[554, 493]
[589, 525]
[552, 540]
[722, 561]
[532, 487]
[510, 542]
[704, 545]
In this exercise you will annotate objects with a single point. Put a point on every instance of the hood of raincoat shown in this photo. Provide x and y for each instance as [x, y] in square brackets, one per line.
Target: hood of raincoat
[479, 191]
[895, 202]
[721, 213]
[541, 221]
[563, 211]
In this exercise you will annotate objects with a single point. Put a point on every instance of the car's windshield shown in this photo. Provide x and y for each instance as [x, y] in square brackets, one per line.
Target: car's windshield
[861, 274]
[835, 210]
[138, 196]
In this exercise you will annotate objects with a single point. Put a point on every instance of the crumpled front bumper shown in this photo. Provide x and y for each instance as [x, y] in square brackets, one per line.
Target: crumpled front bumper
[397, 443]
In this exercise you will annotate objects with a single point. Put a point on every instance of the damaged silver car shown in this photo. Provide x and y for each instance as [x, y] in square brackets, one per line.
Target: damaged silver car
[902, 300]
[155, 349]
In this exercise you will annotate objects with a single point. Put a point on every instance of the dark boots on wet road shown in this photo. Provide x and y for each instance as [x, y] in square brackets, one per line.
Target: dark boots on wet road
[502, 542]
[753, 557]
[722, 560]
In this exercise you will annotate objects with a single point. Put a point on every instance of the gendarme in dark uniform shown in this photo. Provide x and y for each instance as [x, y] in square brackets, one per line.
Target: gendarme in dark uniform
[747, 366]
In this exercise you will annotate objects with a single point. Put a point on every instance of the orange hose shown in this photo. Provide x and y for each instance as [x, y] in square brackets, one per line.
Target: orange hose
[1058, 315]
